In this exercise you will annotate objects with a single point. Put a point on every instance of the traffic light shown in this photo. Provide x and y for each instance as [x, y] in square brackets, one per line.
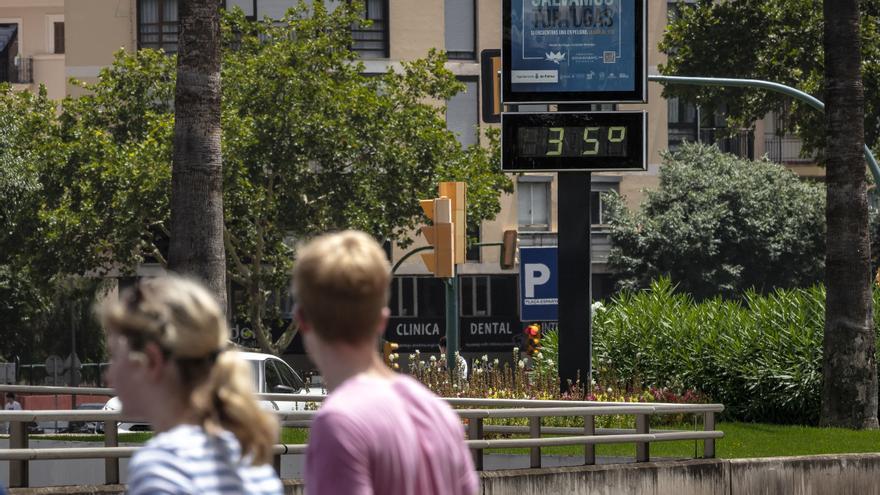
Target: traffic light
[389, 351]
[447, 234]
[457, 192]
[533, 339]
[508, 249]
[441, 236]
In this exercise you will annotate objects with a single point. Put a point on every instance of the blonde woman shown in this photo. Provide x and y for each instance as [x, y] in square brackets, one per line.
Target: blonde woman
[169, 364]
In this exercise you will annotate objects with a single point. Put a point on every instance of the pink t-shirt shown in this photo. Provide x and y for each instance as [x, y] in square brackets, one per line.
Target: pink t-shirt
[379, 436]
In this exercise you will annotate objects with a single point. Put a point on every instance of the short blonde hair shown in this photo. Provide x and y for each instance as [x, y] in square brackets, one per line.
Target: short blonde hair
[188, 325]
[341, 282]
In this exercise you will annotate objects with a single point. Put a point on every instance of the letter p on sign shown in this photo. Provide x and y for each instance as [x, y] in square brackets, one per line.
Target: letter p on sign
[536, 274]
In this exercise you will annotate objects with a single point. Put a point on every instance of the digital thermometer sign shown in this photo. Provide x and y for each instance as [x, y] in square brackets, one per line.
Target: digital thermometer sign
[586, 141]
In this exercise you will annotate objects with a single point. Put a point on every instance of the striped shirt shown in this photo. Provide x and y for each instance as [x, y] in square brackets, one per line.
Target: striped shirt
[186, 460]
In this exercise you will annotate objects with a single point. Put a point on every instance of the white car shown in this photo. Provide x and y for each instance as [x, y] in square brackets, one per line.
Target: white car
[271, 376]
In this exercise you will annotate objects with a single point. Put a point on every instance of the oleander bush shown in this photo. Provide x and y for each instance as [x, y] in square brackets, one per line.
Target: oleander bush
[760, 356]
[536, 378]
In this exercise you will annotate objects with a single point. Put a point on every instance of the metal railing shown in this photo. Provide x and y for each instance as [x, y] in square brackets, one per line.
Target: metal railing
[18, 71]
[782, 149]
[478, 415]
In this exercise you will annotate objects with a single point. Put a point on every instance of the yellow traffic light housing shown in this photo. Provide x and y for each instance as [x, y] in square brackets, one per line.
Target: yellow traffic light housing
[389, 352]
[457, 193]
[447, 234]
[441, 236]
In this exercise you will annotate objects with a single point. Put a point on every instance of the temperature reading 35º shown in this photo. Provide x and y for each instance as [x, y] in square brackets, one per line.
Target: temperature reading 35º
[570, 141]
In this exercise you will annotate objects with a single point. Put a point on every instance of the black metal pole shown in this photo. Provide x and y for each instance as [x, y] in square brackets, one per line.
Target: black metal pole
[575, 325]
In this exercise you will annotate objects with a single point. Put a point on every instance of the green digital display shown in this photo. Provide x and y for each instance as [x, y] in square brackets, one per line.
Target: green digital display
[596, 141]
[589, 141]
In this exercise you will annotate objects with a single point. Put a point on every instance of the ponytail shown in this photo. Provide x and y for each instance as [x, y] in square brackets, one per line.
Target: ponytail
[224, 399]
[184, 319]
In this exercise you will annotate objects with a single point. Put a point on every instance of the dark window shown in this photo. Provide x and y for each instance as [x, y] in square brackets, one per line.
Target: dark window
[157, 25]
[504, 300]
[13, 67]
[474, 296]
[432, 297]
[422, 297]
[403, 296]
[59, 37]
[372, 41]
[472, 254]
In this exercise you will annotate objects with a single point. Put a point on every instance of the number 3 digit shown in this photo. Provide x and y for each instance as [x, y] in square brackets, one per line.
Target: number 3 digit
[557, 141]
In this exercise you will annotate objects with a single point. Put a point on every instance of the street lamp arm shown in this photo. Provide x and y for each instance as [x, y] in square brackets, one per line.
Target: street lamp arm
[772, 86]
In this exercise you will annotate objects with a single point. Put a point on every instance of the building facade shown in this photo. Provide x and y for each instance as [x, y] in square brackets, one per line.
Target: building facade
[47, 41]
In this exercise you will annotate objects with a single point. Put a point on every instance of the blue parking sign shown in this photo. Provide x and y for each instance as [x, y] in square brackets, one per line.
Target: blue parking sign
[538, 284]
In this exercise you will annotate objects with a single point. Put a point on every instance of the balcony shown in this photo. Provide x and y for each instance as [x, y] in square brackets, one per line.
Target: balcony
[371, 42]
[740, 143]
[785, 149]
[17, 71]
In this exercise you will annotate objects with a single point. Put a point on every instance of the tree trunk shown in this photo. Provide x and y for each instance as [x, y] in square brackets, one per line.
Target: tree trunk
[849, 396]
[197, 247]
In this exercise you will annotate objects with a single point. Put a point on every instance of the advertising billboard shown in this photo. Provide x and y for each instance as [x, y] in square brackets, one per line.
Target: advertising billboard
[577, 51]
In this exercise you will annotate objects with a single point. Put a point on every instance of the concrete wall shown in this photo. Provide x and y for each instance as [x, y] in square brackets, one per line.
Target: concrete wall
[808, 475]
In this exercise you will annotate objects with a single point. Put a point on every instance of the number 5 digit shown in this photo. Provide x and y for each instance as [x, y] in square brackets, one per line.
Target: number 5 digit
[593, 143]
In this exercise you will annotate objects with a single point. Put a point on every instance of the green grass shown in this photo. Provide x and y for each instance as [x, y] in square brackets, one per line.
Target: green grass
[294, 435]
[741, 440]
[745, 440]
[139, 437]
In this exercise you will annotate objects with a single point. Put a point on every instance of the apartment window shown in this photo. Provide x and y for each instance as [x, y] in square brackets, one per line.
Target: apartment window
[600, 185]
[533, 202]
[422, 297]
[472, 254]
[246, 6]
[403, 296]
[372, 41]
[597, 214]
[58, 37]
[475, 298]
[682, 120]
[460, 25]
[157, 25]
[14, 68]
[503, 290]
[462, 113]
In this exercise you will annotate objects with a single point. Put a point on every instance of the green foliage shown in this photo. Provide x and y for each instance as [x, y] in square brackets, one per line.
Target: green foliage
[720, 225]
[761, 356]
[309, 144]
[775, 40]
